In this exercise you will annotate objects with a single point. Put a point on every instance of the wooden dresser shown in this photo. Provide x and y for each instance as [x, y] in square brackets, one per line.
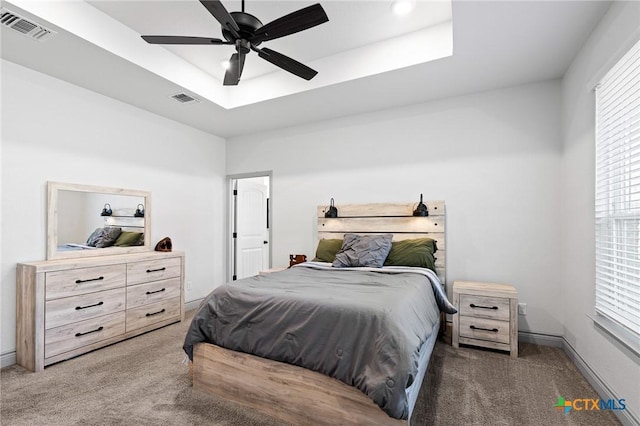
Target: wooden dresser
[68, 307]
[487, 316]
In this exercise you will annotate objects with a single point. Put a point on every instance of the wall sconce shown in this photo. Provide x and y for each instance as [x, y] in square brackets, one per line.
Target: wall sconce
[139, 211]
[106, 211]
[421, 209]
[332, 212]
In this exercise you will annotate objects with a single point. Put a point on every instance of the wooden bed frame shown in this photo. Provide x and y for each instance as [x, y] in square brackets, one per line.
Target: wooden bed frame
[295, 394]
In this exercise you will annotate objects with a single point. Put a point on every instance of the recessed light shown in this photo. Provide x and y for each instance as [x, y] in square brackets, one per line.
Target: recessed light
[225, 64]
[402, 7]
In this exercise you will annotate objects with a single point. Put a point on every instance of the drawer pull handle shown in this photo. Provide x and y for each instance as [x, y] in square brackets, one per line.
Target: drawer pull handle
[89, 306]
[89, 280]
[157, 291]
[494, 330]
[89, 332]
[473, 305]
[156, 313]
[156, 270]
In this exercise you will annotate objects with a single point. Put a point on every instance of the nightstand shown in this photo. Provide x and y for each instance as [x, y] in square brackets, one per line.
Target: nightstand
[487, 316]
[268, 271]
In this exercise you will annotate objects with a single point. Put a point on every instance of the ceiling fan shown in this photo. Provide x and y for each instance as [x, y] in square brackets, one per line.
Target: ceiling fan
[246, 33]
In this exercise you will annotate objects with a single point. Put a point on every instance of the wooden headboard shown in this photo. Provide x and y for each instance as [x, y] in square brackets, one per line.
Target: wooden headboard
[396, 219]
[125, 219]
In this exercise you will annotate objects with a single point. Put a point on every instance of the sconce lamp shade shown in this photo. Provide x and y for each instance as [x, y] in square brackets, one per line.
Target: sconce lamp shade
[332, 211]
[106, 211]
[421, 209]
[139, 211]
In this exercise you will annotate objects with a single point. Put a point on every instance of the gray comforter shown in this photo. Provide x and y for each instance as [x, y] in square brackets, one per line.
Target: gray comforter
[363, 326]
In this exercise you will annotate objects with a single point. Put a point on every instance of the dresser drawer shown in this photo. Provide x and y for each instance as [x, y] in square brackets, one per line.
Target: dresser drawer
[143, 294]
[74, 282]
[152, 313]
[153, 270]
[484, 329]
[66, 338]
[68, 310]
[484, 307]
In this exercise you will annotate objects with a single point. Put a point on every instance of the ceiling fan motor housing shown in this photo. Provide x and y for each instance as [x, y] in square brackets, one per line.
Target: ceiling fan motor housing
[247, 23]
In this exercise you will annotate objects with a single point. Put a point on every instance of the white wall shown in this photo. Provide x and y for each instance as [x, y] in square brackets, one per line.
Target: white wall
[494, 157]
[52, 130]
[617, 367]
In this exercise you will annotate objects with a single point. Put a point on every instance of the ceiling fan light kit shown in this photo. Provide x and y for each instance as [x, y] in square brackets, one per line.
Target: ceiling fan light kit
[402, 7]
[246, 33]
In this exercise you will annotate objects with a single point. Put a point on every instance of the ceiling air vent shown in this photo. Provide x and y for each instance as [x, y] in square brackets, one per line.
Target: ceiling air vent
[184, 98]
[24, 26]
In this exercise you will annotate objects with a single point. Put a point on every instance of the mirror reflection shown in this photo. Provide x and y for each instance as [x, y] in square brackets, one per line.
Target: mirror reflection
[88, 220]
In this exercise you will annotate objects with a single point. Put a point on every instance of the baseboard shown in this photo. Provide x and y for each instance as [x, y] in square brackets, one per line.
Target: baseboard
[7, 359]
[541, 339]
[194, 304]
[602, 389]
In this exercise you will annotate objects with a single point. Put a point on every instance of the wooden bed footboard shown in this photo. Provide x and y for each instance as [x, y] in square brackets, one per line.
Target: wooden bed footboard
[287, 392]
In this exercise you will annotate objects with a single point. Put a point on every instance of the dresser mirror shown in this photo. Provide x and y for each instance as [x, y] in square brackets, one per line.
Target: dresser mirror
[86, 221]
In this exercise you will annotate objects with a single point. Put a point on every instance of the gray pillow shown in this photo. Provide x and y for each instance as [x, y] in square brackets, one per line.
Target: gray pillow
[104, 237]
[93, 238]
[363, 250]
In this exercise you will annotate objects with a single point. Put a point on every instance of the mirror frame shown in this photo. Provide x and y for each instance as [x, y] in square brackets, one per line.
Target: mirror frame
[53, 189]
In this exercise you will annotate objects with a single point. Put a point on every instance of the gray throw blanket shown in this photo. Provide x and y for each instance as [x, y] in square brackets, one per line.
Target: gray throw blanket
[363, 326]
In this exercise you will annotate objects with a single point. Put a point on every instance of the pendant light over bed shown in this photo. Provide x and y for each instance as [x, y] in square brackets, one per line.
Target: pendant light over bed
[332, 211]
[106, 211]
[421, 209]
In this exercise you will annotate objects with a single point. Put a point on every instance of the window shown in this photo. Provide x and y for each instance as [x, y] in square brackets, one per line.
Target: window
[617, 195]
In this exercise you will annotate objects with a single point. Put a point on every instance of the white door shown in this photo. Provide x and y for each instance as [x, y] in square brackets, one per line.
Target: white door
[252, 233]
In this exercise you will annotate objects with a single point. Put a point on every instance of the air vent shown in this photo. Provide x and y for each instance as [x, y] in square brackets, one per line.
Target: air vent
[184, 98]
[24, 26]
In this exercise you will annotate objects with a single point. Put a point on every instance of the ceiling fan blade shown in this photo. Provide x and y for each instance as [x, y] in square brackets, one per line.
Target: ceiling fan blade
[182, 40]
[220, 13]
[236, 64]
[292, 23]
[286, 63]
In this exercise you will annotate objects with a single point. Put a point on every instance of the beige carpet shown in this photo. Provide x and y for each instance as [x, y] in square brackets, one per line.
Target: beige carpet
[143, 381]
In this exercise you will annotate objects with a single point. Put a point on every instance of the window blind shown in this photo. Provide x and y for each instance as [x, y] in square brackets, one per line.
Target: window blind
[617, 198]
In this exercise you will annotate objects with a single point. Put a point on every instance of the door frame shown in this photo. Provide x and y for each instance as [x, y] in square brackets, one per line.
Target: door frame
[230, 218]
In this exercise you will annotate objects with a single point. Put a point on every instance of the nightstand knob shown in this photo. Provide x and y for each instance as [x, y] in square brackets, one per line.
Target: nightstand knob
[473, 305]
[473, 327]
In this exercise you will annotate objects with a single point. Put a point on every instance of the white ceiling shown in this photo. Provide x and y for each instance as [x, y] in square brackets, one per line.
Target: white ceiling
[495, 44]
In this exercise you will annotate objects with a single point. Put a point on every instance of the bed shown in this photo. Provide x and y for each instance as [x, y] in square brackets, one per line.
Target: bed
[318, 344]
[122, 230]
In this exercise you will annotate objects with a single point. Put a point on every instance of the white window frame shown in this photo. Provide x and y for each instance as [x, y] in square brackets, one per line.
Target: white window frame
[617, 201]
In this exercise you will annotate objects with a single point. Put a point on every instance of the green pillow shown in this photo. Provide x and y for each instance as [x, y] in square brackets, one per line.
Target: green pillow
[127, 239]
[417, 252]
[327, 249]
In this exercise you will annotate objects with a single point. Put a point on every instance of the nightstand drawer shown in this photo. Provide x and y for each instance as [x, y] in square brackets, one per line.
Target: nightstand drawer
[484, 329]
[484, 307]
